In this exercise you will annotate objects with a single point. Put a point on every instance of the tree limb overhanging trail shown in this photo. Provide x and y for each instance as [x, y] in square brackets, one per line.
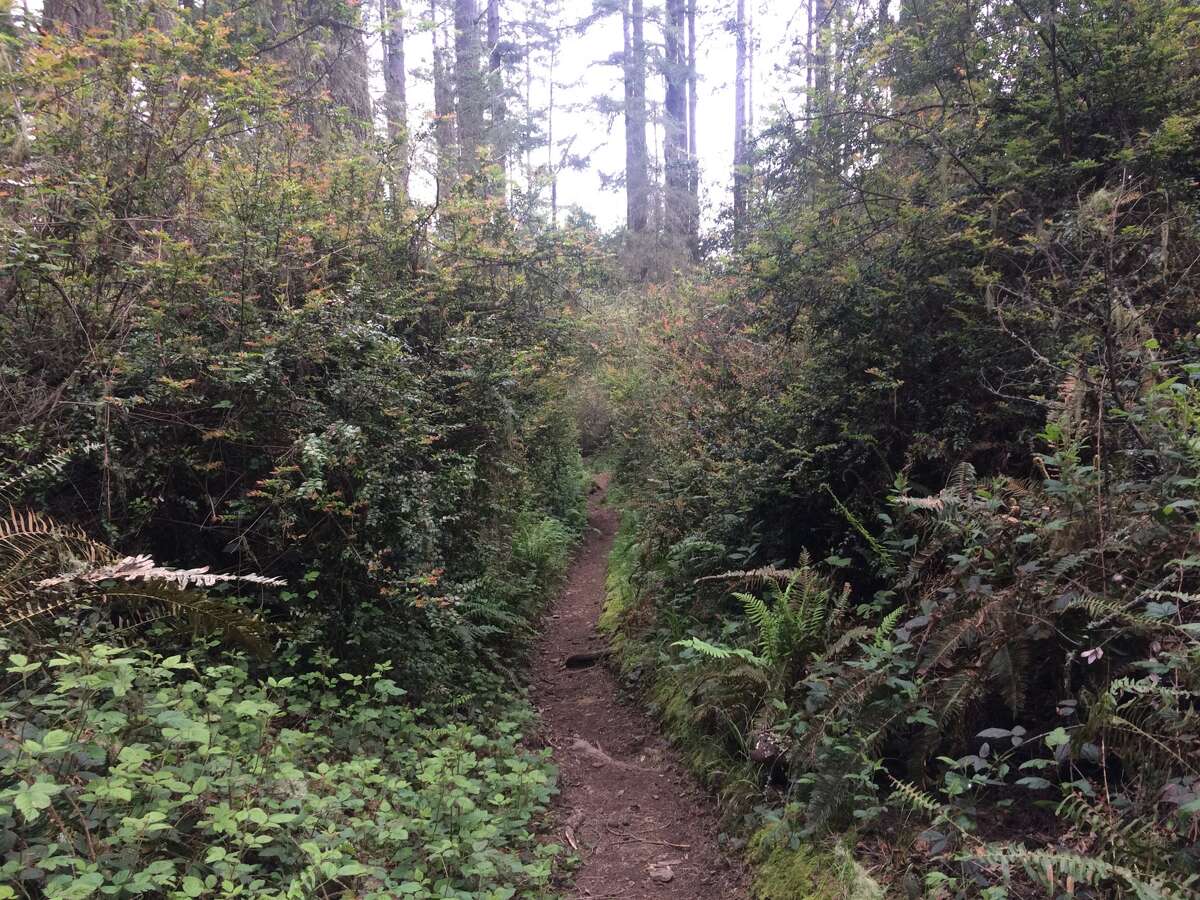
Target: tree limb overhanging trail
[641, 826]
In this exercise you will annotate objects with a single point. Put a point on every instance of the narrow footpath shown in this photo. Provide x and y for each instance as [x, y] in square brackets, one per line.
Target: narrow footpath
[641, 825]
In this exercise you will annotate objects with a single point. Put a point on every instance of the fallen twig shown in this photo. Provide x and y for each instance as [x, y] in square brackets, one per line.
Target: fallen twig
[644, 840]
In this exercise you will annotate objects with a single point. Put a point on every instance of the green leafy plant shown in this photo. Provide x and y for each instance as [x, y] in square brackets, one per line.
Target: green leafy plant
[135, 773]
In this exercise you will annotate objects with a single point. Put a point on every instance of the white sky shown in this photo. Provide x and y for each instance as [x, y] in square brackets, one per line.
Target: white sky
[581, 75]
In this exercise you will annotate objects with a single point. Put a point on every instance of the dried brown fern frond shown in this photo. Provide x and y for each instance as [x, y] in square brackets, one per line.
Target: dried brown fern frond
[48, 568]
[28, 538]
[767, 575]
[962, 480]
[936, 503]
[143, 568]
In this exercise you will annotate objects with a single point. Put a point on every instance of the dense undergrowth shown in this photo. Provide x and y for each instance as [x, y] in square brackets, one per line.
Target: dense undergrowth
[910, 468]
[226, 341]
[910, 483]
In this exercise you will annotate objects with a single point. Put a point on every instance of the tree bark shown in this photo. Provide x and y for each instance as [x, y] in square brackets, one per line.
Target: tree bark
[637, 178]
[443, 108]
[693, 148]
[76, 15]
[469, 87]
[395, 89]
[750, 71]
[529, 186]
[348, 74]
[808, 58]
[819, 35]
[819, 96]
[495, 87]
[551, 162]
[741, 177]
[675, 159]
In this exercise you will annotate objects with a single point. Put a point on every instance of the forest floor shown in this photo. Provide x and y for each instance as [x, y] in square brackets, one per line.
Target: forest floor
[641, 825]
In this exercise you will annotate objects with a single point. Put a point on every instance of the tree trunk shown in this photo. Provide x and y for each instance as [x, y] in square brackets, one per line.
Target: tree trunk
[495, 87]
[659, 219]
[551, 162]
[818, 99]
[76, 15]
[750, 71]
[469, 87]
[675, 159]
[808, 57]
[443, 108]
[529, 187]
[741, 176]
[693, 148]
[819, 28]
[395, 89]
[347, 74]
[637, 178]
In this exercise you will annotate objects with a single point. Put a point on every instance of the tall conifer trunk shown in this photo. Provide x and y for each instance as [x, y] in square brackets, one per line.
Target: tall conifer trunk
[675, 158]
[469, 87]
[395, 89]
[443, 107]
[76, 15]
[498, 138]
[741, 178]
[693, 148]
[637, 178]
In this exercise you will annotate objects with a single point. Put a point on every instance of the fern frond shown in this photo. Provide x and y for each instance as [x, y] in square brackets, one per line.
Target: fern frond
[202, 614]
[1114, 836]
[955, 694]
[887, 626]
[51, 465]
[935, 503]
[1046, 867]
[704, 648]
[765, 621]
[840, 606]
[921, 559]
[1102, 611]
[847, 639]
[755, 608]
[719, 651]
[812, 616]
[882, 553]
[24, 535]
[962, 480]
[33, 548]
[1009, 668]
[1121, 722]
[135, 568]
[988, 618]
[767, 575]
[1072, 561]
[916, 799]
[849, 695]
[1181, 596]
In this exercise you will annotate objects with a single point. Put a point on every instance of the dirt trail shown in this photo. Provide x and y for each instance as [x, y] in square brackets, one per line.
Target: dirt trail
[641, 825]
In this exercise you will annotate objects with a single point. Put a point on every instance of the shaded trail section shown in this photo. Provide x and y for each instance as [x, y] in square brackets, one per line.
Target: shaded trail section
[640, 823]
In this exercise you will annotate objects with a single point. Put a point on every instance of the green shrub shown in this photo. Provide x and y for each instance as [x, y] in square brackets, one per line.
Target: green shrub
[127, 773]
[953, 362]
